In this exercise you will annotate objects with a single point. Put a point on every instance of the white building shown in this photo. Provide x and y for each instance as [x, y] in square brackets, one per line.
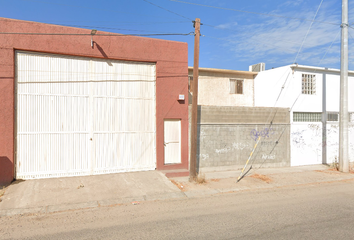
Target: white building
[313, 96]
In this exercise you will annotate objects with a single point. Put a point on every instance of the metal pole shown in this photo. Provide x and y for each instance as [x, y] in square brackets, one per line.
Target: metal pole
[343, 111]
[324, 118]
[194, 123]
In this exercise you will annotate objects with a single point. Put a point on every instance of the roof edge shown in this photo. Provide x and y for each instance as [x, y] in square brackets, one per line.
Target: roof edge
[318, 69]
[225, 71]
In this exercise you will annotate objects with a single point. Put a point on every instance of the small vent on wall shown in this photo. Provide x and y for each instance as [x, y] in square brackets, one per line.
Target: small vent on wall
[257, 67]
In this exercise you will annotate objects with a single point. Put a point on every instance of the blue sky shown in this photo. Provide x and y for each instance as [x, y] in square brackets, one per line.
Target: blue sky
[232, 36]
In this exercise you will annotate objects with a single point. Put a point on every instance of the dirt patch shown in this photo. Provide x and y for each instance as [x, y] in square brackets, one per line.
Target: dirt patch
[2, 192]
[333, 171]
[179, 185]
[329, 171]
[215, 180]
[261, 177]
[201, 178]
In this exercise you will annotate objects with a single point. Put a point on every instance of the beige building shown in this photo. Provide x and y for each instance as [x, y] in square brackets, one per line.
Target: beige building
[221, 87]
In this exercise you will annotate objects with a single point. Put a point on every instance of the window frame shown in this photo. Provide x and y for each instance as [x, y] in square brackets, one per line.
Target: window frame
[307, 117]
[308, 84]
[236, 86]
[190, 84]
[332, 117]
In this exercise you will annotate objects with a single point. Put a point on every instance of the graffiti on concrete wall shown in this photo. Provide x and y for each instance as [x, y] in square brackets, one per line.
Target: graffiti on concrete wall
[268, 156]
[333, 142]
[265, 133]
[203, 157]
[332, 139]
[226, 145]
[202, 134]
[306, 141]
[316, 130]
[235, 146]
[240, 146]
[351, 142]
[298, 138]
[223, 150]
[308, 136]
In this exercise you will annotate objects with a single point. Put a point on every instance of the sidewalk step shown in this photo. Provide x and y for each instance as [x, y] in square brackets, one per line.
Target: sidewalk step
[176, 173]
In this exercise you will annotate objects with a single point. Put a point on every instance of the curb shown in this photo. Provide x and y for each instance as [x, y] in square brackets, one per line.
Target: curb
[89, 205]
[153, 197]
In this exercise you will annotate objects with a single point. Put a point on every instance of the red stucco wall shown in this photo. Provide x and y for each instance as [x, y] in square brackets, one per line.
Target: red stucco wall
[171, 60]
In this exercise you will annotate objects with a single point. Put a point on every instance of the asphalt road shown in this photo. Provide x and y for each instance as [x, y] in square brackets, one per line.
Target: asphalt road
[320, 211]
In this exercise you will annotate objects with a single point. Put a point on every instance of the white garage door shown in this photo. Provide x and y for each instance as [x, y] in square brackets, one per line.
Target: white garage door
[83, 116]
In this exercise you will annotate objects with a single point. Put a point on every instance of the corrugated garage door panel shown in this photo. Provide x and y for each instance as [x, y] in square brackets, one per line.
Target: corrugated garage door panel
[80, 116]
[127, 127]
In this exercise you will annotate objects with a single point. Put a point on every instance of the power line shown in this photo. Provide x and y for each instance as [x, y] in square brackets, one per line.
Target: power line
[330, 46]
[350, 35]
[118, 23]
[98, 27]
[308, 31]
[256, 41]
[243, 11]
[168, 10]
[112, 35]
[91, 8]
[291, 106]
[282, 88]
[324, 55]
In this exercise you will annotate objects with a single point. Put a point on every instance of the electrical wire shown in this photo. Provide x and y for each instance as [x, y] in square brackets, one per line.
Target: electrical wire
[256, 41]
[92, 8]
[109, 28]
[168, 10]
[291, 108]
[243, 11]
[350, 35]
[330, 46]
[283, 86]
[271, 122]
[112, 35]
[324, 55]
[308, 30]
[117, 23]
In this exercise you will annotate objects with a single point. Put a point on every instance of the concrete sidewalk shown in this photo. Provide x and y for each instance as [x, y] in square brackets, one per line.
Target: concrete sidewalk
[62, 194]
[225, 180]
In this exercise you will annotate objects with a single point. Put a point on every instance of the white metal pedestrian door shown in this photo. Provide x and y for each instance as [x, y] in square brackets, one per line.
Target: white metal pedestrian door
[172, 141]
[82, 116]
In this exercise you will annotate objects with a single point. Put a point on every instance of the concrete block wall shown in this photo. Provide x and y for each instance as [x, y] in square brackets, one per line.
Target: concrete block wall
[227, 136]
[243, 115]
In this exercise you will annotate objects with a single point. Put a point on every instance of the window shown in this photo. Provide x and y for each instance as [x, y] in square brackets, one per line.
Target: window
[317, 117]
[236, 86]
[190, 84]
[308, 84]
[332, 117]
[307, 117]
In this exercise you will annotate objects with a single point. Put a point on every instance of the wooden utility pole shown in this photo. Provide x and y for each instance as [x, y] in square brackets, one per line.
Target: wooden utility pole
[194, 123]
